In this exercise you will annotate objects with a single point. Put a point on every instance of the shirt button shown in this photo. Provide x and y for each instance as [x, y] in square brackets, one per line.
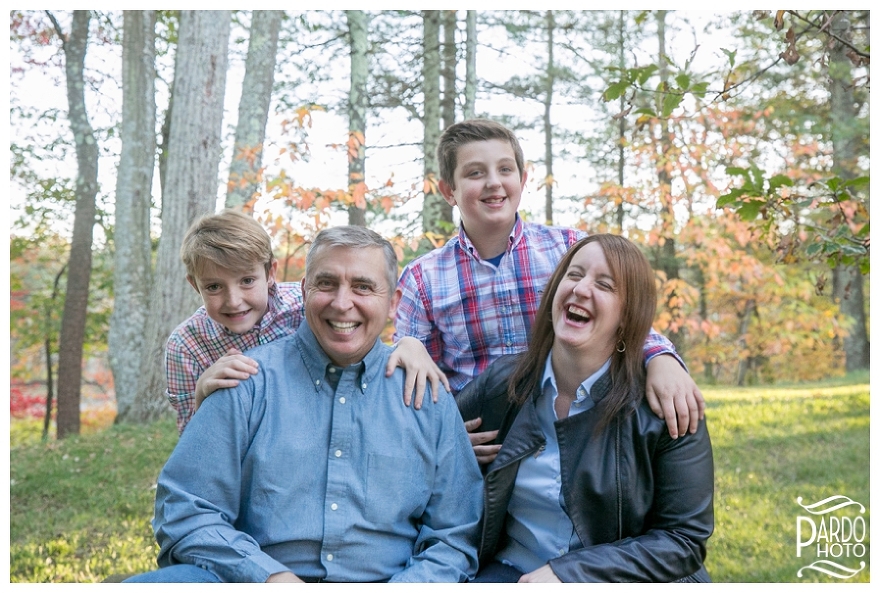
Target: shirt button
[338, 453]
[363, 385]
[334, 506]
[330, 557]
[318, 382]
[509, 343]
[342, 400]
[332, 370]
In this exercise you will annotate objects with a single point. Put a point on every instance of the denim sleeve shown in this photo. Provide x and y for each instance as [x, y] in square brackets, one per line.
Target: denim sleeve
[446, 548]
[196, 510]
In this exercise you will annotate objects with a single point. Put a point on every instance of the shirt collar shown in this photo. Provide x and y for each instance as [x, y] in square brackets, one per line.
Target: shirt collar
[516, 234]
[586, 385]
[316, 359]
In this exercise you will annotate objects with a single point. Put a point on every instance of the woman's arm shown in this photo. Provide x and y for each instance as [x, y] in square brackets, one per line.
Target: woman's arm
[680, 521]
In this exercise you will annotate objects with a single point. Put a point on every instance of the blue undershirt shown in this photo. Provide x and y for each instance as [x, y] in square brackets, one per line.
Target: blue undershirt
[538, 526]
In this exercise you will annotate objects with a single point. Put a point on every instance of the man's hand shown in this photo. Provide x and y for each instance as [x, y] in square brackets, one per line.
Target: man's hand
[673, 395]
[226, 372]
[485, 453]
[544, 574]
[411, 356]
[284, 577]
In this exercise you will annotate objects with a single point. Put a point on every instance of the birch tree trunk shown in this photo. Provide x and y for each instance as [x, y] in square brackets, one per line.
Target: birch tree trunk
[621, 121]
[190, 188]
[448, 67]
[848, 282]
[548, 124]
[357, 115]
[470, 53]
[437, 214]
[253, 108]
[134, 182]
[669, 261]
[79, 269]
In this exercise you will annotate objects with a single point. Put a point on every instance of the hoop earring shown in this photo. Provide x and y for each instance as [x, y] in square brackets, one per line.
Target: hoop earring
[621, 346]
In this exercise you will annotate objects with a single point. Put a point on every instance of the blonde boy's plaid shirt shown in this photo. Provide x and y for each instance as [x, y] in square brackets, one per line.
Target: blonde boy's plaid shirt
[469, 312]
[199, 342]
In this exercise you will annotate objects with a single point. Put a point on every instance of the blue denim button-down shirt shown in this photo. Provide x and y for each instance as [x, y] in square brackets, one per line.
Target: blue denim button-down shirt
[281, 473]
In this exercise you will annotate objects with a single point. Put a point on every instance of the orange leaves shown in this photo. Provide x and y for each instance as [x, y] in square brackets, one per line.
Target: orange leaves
[436, 240]
[355, 145]
[387, 203]
[429, 185]
[358, 195]
[547, 181]
[302, 117]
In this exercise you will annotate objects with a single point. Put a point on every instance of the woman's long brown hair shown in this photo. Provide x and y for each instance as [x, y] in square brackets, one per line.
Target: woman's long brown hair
[634, 280]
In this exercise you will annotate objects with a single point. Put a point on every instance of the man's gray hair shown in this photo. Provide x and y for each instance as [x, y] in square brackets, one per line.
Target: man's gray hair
[355, 237]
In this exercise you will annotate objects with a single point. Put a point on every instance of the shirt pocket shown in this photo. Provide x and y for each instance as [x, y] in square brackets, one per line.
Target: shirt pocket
[397, 489]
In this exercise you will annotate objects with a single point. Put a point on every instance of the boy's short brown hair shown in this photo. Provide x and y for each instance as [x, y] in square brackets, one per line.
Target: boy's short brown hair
[230, 239]
[472, 130]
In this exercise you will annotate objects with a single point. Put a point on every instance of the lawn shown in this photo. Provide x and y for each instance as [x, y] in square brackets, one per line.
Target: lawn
[80, 508]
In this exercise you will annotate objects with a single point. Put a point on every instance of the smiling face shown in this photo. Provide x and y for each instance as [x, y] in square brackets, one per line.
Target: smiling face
[235, 300]
[586, 309]
[348, 300]
[487, 187]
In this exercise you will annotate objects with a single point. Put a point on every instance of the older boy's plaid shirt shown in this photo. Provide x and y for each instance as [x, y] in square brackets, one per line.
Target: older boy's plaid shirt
[468, 312]
[199, 342]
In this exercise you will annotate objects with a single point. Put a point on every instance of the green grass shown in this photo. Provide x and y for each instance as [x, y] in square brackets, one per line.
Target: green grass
[80, 509]
[772, 446]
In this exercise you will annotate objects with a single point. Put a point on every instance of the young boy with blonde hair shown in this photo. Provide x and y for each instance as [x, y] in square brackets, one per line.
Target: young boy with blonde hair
[229, 262]
[474, 299]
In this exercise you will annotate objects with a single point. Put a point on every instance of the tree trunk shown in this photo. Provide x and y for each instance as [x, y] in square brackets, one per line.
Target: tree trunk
[669, 260]
[621, 121]
[548, 125]
[449, 63]
[437, 214]
[253, 108]
[134, 182]
[847, 284]
[191, 188]
[357, 115]
[47, 350]
[470, 53]
[79, 269]
[744, 321]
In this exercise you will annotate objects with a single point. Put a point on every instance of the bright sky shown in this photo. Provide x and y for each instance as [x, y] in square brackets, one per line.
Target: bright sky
[327, 167]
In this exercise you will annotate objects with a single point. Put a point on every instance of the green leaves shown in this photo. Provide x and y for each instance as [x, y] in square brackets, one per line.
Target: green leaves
[671, 94]
[828, 210]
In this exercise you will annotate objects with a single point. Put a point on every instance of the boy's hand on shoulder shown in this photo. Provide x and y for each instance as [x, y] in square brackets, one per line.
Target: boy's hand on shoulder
[673, 395]
[410, 355]
[226, 372]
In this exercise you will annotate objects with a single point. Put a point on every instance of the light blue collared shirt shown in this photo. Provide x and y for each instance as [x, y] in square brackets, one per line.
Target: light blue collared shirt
[284, 472]
[538, 526]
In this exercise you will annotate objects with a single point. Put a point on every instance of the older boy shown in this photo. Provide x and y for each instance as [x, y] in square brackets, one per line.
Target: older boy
[474, 299]
[229, 262]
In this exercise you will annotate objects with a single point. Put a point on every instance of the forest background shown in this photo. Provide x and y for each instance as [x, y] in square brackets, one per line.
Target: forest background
[734, 147]
[741, 168]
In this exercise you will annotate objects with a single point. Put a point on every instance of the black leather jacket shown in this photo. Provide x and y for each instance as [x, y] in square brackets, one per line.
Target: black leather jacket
[640, 502]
